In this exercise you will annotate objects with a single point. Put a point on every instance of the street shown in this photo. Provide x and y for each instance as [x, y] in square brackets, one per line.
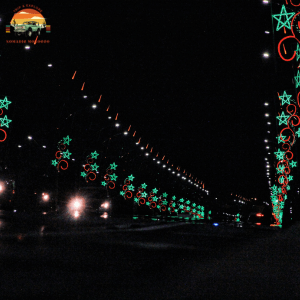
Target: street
[157, 261]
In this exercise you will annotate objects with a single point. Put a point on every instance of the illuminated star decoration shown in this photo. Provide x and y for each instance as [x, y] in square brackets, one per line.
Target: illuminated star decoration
[4, 121]
[293, 164]
[298, 132]
[144, 186]
[297, 79]
[83, 174]
[94, 155]
[4, 103]
[54, 162]
[66, 154]
[67, 140]
[94, 167]
[287, 17]
[285, 98]
[155, 190]
[280, 140]
[165, 195]
[130, 178]
[283, 118]
[298, 52]
[113, 177]
[113, 166]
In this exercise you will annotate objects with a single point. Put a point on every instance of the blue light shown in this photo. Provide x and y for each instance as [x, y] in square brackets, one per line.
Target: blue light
[216, 224]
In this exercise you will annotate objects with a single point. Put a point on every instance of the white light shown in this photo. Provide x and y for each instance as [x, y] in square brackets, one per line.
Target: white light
[267, 147]
[169, 169]
[158, 162]
[173, 172]
[84, 96]
[153, 158]
[267, 32]
[27, 47]
[94, 106]
[117, 125]
[266, 141]
[266, 55]
[268, 166]
[164, 166]
[109, 117]
[45, 197]
[147, 154]
[44, 147]
[142, 148]
[30, 137]
[267, 115]
[19, 146]
[266, 104]
[105, 205]
[125, 133]
[49, 65]
[269, 123]
[178, 174]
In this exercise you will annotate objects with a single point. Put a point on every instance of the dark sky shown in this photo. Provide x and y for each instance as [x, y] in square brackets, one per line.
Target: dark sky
[188, 76]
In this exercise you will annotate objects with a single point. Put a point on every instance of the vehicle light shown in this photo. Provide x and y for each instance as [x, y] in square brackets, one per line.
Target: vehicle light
[259, 215]
[216, 224]
[105, 205]
[258, 224]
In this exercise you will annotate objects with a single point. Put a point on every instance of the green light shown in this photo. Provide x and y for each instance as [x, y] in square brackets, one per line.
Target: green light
[113, 177]
[283, 118]
[165, 202]
[280, 140]
[54, 162]
[147, 203]
[144, 186]
[155, 190]
[154, 198]
[4, 121]
[113, 166]
[293, 164]
[287, 17]
[94, 154]
[66, 154]
[188, 202]
[285, 98]
[194, 205]
[4, 103]
[181, 206]
[298, 132]
[83, 174]
[144, 194]
[130, 187]
[130, 178]
[288, 187]
[67, 140]
[279, 154]
[94, 167]
[181, 200]
[122, 193]
[136, 200]
[165, 195]
[103, 183]
[290, 178]
[298, 52]
[297, 79]
[174, 198]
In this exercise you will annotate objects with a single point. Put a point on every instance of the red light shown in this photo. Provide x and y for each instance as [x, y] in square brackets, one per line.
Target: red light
[259, 215]
[258, 224]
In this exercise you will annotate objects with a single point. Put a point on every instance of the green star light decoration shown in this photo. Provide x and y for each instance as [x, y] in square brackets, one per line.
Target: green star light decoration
[94, 167]
[165, 195]
[83, 174]
[284, 18]
[155, 190]
[144, 186]
[130, 178]
[67, 140]
[113, 166]
[280, 140]
[54, 162]
[5, 122]
[66, 154]
[297, 52]
[94, 155]
[285, 98]
[4, 103]
[297, 79]
[113, 177]
[283, 118]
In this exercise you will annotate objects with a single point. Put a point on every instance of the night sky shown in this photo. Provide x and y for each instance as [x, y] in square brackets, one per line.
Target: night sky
[189, 76]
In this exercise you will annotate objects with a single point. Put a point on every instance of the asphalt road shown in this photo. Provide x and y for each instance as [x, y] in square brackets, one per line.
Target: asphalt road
[153, 261]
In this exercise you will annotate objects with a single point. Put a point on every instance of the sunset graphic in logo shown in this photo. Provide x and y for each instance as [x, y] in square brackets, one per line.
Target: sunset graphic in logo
[27, 15]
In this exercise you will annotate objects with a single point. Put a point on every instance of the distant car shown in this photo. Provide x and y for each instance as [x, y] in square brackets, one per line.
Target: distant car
[28, 28]
[256, 219]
